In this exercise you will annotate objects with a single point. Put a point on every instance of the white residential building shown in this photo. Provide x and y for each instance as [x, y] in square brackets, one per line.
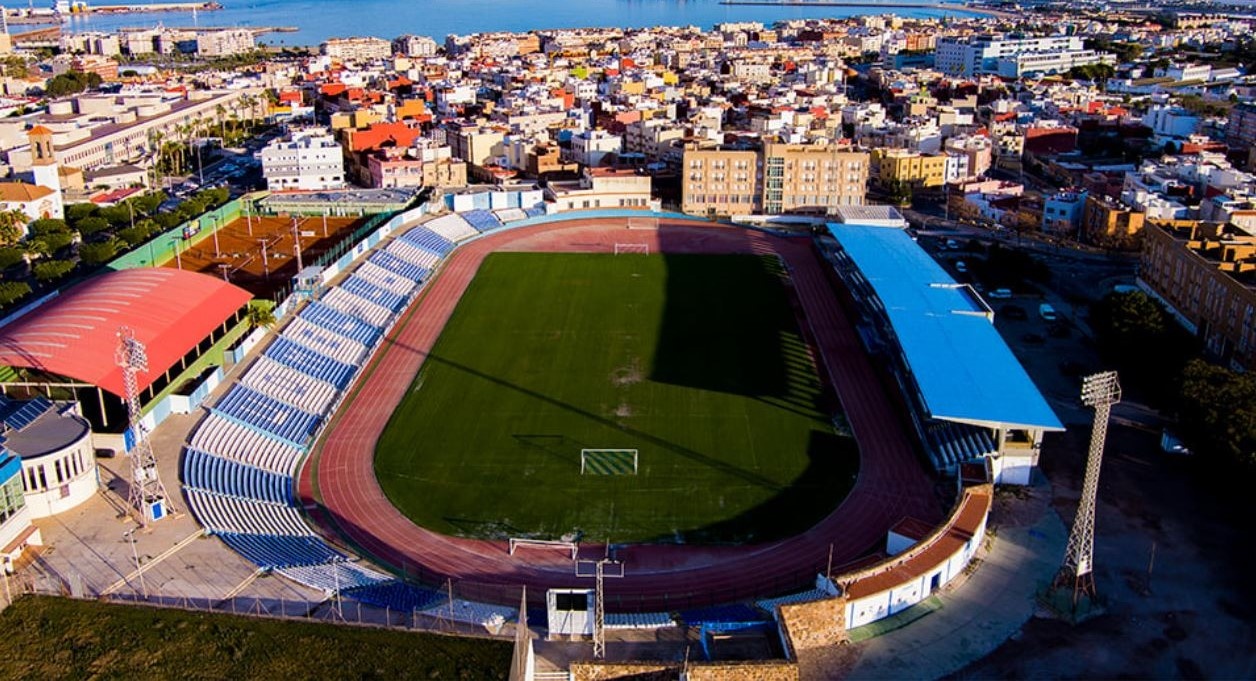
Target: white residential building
[307, 159]
[1041, 63]
[357, 49]
[972, 55]
[591, 147]
[415, 46]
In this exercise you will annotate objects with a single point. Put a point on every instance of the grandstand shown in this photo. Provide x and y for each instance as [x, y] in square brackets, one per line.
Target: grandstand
[239, 465]
[482, 220]
[969, 397]
[452, 227]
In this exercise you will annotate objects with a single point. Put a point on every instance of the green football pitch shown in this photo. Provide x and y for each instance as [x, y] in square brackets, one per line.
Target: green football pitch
[695, 361]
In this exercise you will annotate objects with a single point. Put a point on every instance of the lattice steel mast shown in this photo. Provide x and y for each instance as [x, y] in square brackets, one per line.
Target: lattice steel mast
[147, 489]
[1100, 391]
[599, 612]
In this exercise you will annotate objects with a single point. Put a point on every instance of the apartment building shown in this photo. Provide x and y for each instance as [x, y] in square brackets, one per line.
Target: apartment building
[415, 46]
[224, 43]
[306, 159]
[1206, 273]
[1240, 128]
[100, 130]
[776, 179]
[357, 49]
[1108, 223]
[905, 167]
[973, 55]
[1044, 63]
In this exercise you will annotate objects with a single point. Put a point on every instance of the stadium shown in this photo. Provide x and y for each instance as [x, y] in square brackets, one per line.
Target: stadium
[727, 424]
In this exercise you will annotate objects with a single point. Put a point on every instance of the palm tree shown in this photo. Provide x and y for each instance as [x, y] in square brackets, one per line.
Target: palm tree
[12, 226]
[260, 317]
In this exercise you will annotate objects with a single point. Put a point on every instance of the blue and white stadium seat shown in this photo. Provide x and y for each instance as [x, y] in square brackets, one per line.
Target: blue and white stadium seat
[289, 386]
[399, 266]
[222, 513]
[324, 342]
[342, 300]
[428, 240]
[224, 476]
[638, 620]
[385, 279]
[323, 315]
[452, 227]
[508, 215]
[231, 440]
[362, 288]
[308, 361]
[413, 254]
[953, 443]
[274, 551]
[268, 415]
[397, 596]
[332, 576]
[482, 220]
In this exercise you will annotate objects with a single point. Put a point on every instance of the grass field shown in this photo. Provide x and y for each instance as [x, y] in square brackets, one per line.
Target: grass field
[56, 638]
[694, 360]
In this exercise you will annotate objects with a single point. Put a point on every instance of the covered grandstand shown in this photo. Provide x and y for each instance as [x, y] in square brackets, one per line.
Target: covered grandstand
[968, 395]
[65, 348]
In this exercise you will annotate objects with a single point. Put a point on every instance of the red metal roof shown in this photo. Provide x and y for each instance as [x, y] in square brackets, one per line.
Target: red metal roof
[75, 334]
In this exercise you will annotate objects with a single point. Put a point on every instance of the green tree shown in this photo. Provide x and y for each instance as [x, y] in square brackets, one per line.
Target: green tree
[260, 317]
[10, 256]
[134, 236]
[98, 253]
[12, 226]
[1219, 409]
[72, 83]
[51, 270]
[45, 226]
[77, 211]
[12, 291]
[92, 225]
[118, 216]
[48, 244]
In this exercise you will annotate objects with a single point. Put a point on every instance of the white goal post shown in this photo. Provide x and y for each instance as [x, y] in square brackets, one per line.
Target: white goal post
[517, 542]
[609, 461]
[623, 248]
[644, 222]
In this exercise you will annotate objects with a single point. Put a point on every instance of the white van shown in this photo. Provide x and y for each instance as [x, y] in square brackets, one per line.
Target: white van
[1047, 312]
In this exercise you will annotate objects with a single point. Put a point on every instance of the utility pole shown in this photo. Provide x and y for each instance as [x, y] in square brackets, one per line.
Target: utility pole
[1100, 391]
[599, 613]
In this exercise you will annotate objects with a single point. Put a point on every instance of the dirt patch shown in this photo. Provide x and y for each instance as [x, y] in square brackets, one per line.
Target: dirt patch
[627, 375]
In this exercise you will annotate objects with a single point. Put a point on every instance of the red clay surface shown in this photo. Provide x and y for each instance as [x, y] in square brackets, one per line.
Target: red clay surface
[258, 253]
[891, 484]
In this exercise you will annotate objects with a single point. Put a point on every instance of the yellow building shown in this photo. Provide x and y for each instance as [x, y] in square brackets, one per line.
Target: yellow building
[776, 179]
[903, 167]
[1206, 272]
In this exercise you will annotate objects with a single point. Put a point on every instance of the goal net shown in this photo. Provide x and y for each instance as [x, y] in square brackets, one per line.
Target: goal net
[643, 223]
[621, 249]
[608, 462]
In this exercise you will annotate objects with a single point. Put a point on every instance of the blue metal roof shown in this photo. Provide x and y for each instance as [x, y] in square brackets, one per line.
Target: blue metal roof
[964, 370]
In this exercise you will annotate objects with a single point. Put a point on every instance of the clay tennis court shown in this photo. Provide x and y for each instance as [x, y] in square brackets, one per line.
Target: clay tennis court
[258, 254]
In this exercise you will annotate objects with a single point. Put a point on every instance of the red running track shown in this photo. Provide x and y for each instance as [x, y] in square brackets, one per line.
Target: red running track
[891, 483]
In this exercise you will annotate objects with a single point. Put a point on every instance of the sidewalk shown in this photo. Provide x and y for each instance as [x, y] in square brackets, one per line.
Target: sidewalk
[988, 608]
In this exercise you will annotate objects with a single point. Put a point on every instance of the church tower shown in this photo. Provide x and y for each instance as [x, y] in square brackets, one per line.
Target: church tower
[43, 160]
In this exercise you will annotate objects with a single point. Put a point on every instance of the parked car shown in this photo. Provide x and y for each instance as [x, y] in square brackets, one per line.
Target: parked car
[1047, 312]
[1001, 293]
[961, 266]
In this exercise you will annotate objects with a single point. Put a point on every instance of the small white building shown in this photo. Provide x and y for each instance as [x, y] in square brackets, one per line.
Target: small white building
[603, 188]
[307, 160]
[591, 147]
[58, 457]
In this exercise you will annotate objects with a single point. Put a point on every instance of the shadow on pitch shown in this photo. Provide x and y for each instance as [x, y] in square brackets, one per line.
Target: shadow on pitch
[832, 465]
[724, 467]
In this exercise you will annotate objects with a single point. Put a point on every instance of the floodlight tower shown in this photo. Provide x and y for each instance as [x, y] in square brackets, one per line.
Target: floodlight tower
[148, 495]
[1100, 391]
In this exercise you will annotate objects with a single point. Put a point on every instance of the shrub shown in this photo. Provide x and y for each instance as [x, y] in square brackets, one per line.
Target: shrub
[98, 253]
[11, 291]
[92, 225]
[51, 270]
